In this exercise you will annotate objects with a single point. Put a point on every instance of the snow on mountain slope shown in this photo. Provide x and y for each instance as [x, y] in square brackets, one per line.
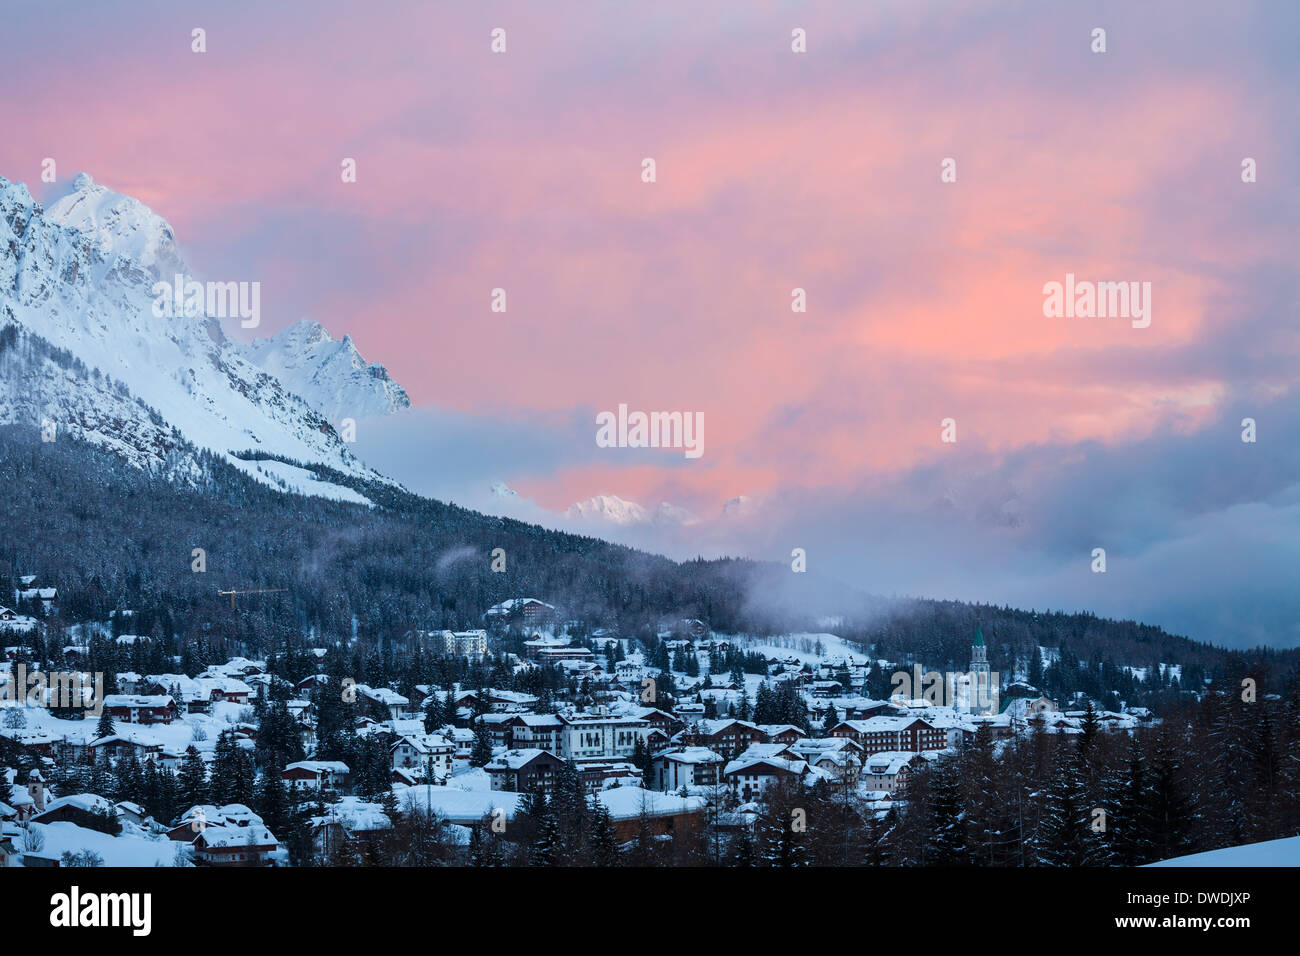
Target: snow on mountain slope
[500, 489]
[612, 509]
[39, 384]
[287, 477]
[332, 376]
[81, 277]
[119, 226]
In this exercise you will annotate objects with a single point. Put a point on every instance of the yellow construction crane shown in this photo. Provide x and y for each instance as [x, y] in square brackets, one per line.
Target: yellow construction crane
[233, 592]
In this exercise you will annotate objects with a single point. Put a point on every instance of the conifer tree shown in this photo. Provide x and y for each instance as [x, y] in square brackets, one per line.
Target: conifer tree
[481, 754]
[604, 845]
[105, 727]
[193, 779]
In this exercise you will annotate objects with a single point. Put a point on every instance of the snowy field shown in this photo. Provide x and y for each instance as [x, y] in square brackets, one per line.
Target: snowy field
[1271, 853]
[277, 474]
[201, 730]
[132, 848]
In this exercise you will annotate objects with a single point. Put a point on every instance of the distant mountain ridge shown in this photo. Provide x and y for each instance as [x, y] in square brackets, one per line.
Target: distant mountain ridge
[332, 376]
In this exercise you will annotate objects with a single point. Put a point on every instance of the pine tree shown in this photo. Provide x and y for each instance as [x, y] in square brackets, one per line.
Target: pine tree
[946, 837]
[105, 727]
[604, 844]
[1065, 836]
[434, 716]
[193, 779]
[273, 802]
[481, 754]
[1129, 810]
[546, 848]
[1172, 816]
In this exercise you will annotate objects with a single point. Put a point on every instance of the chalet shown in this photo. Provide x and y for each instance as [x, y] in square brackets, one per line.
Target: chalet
[33, 743]
[107, 751]
[784, 734]
[324, 775]
[383, 698]
[534, 732]
[416, 754]
[629, 671]
[236, 667]
[655, 718]
[87, 810]
[725, 736]
[133, 813]
[498, 727]
[601, 735]
[518, 771]
[888, 771]
[808, 747]
[219, 689]
[878, 734]
[11, 622]
[529, 611]
[141, 709]
[750, 777]
[999, 725]
[190, 696]
[842, 766]
[508, 701]
[597, 775]
[694, 768]
[348, 819]
[227, 846]
[128, 682]
[663, 813]
[47, 599]
[694, 628]
[198, 818]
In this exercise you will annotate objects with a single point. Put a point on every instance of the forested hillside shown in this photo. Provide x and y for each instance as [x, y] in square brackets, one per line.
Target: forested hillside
[111, 536]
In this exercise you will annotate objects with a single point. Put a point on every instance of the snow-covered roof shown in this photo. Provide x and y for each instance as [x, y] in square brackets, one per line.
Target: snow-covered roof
[516, 759]
[227, 837]
[691, 755]
[89, 802]
[319, 766]
[627, 803]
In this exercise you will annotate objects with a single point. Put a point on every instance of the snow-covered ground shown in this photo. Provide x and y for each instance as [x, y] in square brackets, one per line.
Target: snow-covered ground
[201, 730]
[133, 847]
[802, 646]
[1270, 853]
[279, 475]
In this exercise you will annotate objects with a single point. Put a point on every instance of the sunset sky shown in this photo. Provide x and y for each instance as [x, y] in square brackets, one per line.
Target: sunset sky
[775, 170]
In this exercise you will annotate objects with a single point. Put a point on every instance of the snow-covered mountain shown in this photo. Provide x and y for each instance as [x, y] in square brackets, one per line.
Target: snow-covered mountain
[741, 506]
[77, 287]
[612, 509]
[332, 376]
[501, 490]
